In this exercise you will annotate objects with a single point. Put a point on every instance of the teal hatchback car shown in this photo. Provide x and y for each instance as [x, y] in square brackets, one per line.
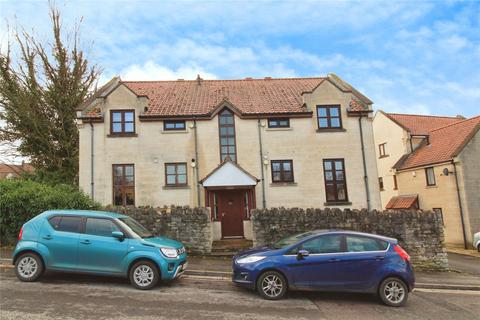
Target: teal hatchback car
[96, 242]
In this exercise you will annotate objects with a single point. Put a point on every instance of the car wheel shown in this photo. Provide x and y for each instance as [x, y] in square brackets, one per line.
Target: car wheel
[393, 292]
[272, 285]
[144, 275]
[28, 267]
[478, 247]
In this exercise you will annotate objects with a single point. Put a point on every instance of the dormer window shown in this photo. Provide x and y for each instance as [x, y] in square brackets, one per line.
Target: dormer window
[173, 125]
[329, 117]
[122, 122]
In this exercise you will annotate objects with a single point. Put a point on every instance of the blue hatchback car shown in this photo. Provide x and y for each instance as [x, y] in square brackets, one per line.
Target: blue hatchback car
[328, 261]
[96, 242]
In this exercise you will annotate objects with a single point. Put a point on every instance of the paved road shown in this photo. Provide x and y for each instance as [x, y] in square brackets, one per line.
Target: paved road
[464, 263]
[60, 296]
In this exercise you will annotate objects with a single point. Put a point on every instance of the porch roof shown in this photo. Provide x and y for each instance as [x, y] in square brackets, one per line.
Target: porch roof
[229, 174]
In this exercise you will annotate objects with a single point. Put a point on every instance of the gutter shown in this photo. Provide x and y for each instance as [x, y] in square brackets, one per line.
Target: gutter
[196, 162]
[264, 201]
[92, 166]
[365, 174]
[460, 205]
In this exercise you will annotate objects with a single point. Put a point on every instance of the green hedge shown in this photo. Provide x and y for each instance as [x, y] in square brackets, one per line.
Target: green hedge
[22, 199]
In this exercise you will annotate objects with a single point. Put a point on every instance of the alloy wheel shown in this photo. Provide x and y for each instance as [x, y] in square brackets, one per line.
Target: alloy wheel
[394, 292]
[272, 286]
[27, 267]
[143, 275]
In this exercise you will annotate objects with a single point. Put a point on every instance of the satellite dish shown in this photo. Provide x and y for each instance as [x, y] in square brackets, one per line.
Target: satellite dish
[446, 172]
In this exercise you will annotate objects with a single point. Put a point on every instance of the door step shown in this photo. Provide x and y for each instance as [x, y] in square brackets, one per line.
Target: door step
[230, 247]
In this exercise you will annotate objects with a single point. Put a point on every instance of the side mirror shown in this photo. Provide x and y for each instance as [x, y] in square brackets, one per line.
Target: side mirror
[118, 235]
[302, 253]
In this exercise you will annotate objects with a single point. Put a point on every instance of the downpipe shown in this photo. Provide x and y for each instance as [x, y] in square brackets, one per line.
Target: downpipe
[92, 163]
[365, 175]
[460, 205]
[264, 201]
[196, 162]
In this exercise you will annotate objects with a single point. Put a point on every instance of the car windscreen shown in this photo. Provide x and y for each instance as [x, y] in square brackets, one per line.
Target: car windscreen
[135, 228]
[285, 242]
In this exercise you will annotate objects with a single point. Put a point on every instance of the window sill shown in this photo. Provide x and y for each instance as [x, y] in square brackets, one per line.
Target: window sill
[122, 135]
[331, 130]
[432, 186]
[176, 187]
[283, 184]
[384, 156]
[174, 131]
[337, 203]
[279, 129]
[382, 189]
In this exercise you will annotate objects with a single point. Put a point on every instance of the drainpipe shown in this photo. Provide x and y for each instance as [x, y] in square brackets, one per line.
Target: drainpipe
[365, 175]
[196, 162]
[460, 205]
[92, 167]
[264, 201]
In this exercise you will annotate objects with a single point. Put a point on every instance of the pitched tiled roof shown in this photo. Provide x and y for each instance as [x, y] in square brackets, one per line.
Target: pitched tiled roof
[444, 143]
[202, 97]
[419, 124]
[402, 202]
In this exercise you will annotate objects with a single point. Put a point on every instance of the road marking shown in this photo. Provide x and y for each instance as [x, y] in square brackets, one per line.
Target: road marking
[449, 291]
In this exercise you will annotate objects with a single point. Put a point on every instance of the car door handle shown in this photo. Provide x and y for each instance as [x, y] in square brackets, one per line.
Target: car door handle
[379, 257]
[48, 237]
[333, 260]
[85, 242]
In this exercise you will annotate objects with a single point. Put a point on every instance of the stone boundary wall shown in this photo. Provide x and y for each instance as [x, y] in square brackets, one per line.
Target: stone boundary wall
[191, 226]
[420, 233]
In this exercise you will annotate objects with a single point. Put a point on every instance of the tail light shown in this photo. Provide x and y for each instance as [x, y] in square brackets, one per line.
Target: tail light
[20, 234]
[402, 253]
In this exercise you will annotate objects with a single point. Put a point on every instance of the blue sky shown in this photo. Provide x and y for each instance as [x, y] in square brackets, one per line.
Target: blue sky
[407, 56]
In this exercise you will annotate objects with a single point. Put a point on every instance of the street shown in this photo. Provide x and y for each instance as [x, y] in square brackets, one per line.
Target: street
[63, 296]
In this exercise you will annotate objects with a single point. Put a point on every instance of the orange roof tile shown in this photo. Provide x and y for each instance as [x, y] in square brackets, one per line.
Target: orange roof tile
[444, 143]
[402, 202]
[201, 97]
[419, 124]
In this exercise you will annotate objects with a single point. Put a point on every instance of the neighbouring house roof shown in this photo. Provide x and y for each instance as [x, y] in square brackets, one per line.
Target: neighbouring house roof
[202, 98]
[13, 170]
[420, 124]
[443, 144]
[228, 173]
[403, 202]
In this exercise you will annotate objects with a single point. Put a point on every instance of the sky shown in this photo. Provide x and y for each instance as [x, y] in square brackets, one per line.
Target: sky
[407, 56]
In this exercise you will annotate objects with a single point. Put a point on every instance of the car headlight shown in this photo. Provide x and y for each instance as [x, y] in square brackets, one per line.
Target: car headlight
[250, 259]
[169, 252]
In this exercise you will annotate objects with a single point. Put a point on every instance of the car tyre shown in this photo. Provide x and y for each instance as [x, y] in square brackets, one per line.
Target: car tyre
[271, 285]
[144, 275]
[393, 292]
[28, 267]
[478, 247]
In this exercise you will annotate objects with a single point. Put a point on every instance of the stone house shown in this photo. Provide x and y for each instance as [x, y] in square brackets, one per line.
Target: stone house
[8, 171]
[230, 145]
[431, 163]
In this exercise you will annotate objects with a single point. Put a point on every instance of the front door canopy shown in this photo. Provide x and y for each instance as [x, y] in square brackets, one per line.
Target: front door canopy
[229, 174]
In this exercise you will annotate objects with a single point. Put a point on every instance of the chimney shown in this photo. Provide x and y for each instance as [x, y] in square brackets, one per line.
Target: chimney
[199, 80]
[248, 78]
[268, 78]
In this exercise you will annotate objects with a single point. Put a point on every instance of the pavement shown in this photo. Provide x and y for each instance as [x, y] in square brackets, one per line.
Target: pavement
[206, 292]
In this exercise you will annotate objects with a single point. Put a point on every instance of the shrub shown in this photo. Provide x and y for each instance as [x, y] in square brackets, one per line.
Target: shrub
[22, 199]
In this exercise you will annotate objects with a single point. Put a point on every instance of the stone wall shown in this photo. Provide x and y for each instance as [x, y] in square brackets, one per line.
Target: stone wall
[420, 233]
[191, 226]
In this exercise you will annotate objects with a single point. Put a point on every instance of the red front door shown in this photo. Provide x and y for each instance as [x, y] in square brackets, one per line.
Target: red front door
[231, 208]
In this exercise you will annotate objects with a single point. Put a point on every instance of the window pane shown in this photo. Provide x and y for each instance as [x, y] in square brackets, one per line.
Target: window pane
[287, 176]
[224, 141]
[276, 176]
[284, 123]
[55, 221]
[117, 197]
[100, 227]
[230, 131]
[329, 175]
[335, 122]
[70, 224]
[224, 150]
[170, 169]
[339, 175]
[333, 112]
[129, 197]
[324, 244]
[129, 180]
[327, 165]
[171, 179]
[231, 150]
[358, 244]
[181, 169]
[118, 170]
[180, 125]
[182, 179]
[116, 116]
[276, 166]
[272, 123]
[116, 127]
[322, 112]
[338, 165]
[323, 123]
[129, 170]
[430, 176]
[341, 192]
[233, 157]
[223, 131]
[169, 125]
[129, 127]
[287, 166]
[128, 116]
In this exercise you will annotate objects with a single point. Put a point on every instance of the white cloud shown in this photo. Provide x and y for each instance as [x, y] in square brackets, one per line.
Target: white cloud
[153, 71]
